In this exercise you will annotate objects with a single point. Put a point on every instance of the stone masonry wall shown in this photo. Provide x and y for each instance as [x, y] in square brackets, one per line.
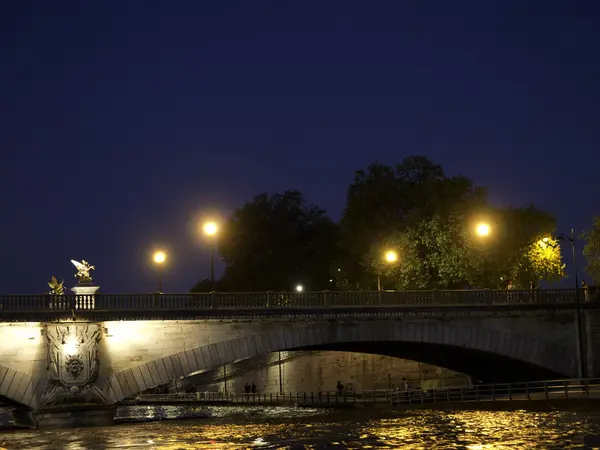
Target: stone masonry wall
[319, 371]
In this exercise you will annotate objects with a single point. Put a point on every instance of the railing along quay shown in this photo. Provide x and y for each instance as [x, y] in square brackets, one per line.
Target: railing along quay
[268, 300]
[299, 398]
[499, 392]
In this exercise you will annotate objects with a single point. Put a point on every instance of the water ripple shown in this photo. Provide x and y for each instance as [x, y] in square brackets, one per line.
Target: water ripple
[279, 428]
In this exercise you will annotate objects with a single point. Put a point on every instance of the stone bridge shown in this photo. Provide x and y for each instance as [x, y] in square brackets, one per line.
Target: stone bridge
[74, 362]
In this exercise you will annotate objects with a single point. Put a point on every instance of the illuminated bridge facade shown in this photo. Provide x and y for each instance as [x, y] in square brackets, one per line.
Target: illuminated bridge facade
[62, 355]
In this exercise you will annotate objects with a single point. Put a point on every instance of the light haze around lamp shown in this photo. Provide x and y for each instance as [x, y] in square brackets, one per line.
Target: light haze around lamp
[159, 257]
[211, 229]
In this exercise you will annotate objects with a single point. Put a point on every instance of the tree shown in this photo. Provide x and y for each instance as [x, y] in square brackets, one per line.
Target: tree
[521, 248]
[433, 254]
[385, 202]
[591, 250]
[205, 285]
[274, 242]
[445, 253]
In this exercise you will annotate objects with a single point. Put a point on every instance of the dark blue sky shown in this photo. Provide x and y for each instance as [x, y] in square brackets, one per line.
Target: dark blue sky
[123, 123]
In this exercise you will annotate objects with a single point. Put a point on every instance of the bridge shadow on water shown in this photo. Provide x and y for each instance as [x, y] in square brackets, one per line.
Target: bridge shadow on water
[480, 365]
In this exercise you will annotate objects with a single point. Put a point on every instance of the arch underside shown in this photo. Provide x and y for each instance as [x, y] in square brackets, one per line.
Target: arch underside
[480, 365]
[485, 354]
[16, 388]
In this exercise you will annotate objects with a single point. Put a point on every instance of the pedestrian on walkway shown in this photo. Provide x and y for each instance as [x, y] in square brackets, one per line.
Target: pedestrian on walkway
[586, 291]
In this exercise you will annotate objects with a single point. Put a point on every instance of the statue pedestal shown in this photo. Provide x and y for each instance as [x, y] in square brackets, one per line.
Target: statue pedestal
[84, 296]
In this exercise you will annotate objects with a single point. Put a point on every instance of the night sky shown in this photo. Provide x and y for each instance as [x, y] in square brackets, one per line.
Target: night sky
[126, 122]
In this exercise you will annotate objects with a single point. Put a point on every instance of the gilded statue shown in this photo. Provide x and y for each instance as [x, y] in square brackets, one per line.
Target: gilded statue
[56, 287]
[83, 271]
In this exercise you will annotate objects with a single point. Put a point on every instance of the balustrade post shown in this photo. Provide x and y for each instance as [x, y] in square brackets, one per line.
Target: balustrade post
[269, 297]
[155, 300]
[586, 387]
[325, 297]
[213, 299]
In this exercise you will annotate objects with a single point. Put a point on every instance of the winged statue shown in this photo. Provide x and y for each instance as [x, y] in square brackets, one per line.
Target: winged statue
[56, 287]
[83, 270]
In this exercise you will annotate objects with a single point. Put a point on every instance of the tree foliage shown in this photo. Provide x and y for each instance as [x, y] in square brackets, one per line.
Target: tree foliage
[274, 242]
[432, 254]
[384, 201]
[591, 250]
[443, 252]
[517, 251]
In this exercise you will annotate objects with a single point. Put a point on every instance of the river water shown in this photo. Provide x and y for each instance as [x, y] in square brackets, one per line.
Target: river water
[297, 428]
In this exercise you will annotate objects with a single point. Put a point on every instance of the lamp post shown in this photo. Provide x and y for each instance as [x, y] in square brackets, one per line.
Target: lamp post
[211, 229]
[159, 258]
[390, 257]
[580, 341]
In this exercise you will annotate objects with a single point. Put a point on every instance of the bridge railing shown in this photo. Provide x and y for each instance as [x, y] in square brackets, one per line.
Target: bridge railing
[262, 300]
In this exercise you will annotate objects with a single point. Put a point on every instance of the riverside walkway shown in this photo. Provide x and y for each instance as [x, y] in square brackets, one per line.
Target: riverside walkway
[500, 392]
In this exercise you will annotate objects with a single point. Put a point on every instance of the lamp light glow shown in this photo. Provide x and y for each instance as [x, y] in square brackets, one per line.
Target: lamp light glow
[483, 229]
[159, 257]
[391, 256]
[210, 228]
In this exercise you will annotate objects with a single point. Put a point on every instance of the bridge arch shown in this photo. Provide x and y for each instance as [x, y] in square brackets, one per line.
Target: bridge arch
[426, 338]
[17, 387]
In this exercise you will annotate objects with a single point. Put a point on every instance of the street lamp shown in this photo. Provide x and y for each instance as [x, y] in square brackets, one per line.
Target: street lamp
[390, 257]
[211, 229]
[299, 288]
[548, 242]
[159, 258]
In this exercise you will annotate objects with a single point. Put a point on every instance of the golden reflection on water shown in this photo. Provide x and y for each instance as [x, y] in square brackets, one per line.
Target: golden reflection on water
[279, 428]
[477, 430]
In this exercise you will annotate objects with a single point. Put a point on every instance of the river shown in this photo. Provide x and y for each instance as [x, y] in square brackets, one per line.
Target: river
[297, 428]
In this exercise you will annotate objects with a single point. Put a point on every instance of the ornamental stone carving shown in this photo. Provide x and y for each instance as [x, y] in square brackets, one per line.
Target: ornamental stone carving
[73, 364]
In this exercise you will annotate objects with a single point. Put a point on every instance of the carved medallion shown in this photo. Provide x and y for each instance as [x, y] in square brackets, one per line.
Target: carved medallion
[73, 364]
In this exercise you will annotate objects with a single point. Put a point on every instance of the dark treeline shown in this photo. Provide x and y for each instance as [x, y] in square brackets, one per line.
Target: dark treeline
[274, 242]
